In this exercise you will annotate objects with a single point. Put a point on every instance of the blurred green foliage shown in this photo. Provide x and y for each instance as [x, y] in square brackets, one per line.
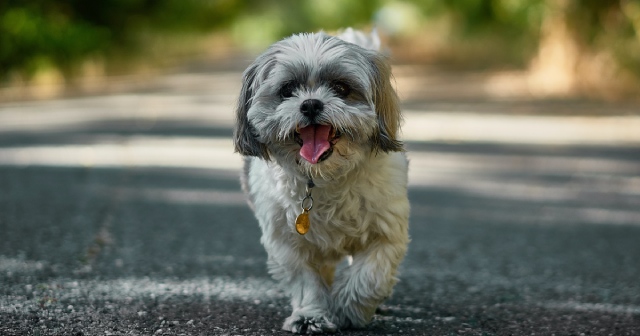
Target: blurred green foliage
[61, 34]
[472, 17]
[41, 33]
[493, 31]
[267, 20]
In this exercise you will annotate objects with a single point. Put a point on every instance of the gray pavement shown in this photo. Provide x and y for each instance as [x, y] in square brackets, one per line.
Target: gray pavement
[123, 215]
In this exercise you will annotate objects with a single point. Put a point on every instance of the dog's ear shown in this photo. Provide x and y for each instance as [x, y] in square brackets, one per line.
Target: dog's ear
[387, 105]
[244, 135]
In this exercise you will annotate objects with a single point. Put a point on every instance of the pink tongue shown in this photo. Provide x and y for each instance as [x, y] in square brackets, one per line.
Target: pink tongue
[315, 141]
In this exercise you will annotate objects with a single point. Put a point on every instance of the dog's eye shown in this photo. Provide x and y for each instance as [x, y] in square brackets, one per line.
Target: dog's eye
[341, 89]
[286, 91]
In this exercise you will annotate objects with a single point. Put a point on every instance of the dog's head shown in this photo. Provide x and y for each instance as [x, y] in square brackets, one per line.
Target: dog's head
[317, 103]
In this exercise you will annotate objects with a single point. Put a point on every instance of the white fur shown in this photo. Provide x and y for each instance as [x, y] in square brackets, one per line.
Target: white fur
[360, 205]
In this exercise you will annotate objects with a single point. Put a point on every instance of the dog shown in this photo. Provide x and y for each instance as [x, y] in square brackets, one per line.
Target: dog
[317, 122]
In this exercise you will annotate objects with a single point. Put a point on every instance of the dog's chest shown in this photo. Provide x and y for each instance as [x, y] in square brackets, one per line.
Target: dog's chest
[360, 205]
[348, 210]
[338, 207]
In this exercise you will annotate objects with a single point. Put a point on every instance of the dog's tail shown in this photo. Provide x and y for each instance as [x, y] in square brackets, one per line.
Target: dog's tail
[358, 37]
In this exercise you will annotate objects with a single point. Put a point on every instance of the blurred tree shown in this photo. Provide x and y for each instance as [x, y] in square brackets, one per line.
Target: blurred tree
[569, 45]
[586, 43]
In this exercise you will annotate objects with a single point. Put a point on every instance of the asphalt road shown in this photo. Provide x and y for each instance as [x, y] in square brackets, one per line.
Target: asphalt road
[123, 215]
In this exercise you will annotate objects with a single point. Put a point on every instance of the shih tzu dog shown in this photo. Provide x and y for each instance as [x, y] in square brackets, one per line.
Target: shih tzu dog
[318, 123]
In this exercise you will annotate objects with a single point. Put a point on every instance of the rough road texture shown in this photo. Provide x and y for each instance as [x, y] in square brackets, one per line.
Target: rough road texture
[123, 215]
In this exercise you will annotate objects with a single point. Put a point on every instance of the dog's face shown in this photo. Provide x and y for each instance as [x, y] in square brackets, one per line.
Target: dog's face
[317, 104]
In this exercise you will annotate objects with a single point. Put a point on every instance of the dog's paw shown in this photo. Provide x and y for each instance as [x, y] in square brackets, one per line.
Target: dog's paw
[300, 324]
[353, 316]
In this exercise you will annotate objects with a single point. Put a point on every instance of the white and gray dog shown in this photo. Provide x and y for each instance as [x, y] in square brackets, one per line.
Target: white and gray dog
[318, 121]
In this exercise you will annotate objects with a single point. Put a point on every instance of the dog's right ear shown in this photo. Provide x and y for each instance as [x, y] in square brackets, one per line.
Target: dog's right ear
[244, 136]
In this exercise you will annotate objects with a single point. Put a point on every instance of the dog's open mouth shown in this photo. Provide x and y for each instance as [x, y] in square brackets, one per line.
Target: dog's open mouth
[316, 141]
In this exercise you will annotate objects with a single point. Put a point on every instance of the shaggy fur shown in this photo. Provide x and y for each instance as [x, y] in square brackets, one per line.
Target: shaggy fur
[360, 206]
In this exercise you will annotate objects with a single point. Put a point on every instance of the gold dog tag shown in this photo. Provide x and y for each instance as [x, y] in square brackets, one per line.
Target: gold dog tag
[302, 222]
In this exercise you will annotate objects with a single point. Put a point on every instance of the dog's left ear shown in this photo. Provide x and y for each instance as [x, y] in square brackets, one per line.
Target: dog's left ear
[244, 136]
[387, 105]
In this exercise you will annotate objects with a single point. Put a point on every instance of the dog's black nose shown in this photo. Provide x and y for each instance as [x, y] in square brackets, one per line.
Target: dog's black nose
[311, 108]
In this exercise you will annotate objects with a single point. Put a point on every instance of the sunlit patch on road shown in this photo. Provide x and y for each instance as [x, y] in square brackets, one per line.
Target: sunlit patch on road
[127, 290]
[593, 307]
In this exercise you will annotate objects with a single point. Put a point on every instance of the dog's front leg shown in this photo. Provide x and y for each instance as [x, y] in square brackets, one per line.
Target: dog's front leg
[310, 296]
[361, 287]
